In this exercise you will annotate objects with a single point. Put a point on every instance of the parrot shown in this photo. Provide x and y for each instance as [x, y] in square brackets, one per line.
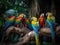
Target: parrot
[11, 16]
[18, 20]
[28, 24]
[9, 22]
[35, 25]
[51, 22]
[24, 22]
[16, 24]
[42, 20]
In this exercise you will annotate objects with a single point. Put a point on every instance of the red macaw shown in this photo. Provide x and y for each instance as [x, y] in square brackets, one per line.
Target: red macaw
[42, 20]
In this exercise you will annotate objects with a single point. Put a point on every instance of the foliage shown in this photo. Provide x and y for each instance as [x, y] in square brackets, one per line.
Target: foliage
[21, 6]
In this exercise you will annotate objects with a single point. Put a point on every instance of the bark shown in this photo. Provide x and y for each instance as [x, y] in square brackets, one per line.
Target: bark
[35, 9]
[53, 10]
[29, 35]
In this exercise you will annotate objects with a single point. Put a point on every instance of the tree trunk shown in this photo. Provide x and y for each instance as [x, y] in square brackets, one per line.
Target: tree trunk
[34, 8]
[53, 10]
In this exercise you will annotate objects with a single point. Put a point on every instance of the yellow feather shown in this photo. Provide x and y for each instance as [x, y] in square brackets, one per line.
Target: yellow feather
[37, 39]
[33, 22]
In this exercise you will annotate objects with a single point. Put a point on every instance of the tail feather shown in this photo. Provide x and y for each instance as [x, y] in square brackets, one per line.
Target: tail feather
[37, 38]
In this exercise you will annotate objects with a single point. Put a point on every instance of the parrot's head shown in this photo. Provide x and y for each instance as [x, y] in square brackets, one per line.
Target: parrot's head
[42, 15]
[20, 15]
[34, 19]
[49, 15]
[24, 16]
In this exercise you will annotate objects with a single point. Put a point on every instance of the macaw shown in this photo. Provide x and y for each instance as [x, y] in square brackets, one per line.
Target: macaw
[35, 25]
[17, 24]
[51, 21]
[9, 22]
[18, 20]
[24, 22]
[27, 23]
[42, 20]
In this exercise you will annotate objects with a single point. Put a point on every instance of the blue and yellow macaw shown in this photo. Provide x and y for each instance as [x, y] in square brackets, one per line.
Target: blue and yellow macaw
[35, 25]
[51, 22]
[9, 22]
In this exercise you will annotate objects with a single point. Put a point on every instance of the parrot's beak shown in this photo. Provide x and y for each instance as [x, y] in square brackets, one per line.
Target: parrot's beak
[32, 19]
[24, 16]
[50, 14]
[42, 14]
